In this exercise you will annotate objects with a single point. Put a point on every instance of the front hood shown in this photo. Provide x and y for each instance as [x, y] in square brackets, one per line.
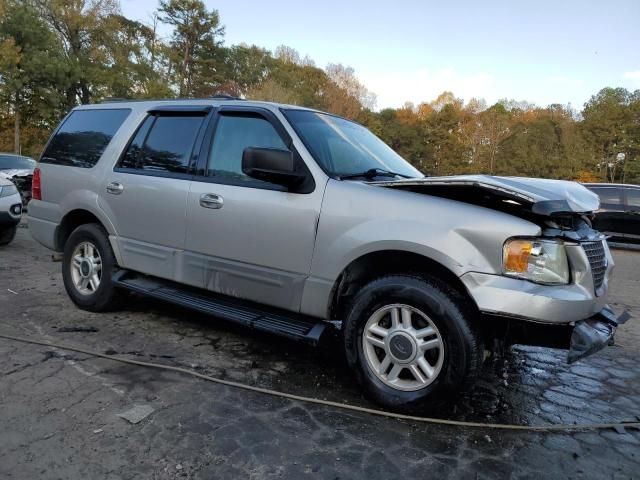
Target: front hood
[23, 172]
[5, 182]
[540, 196]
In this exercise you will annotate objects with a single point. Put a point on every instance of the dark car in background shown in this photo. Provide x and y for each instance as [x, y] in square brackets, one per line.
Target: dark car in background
[619, 213]
[19, 170]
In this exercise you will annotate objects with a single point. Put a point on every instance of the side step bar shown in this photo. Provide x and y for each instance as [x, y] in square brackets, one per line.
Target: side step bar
[265, 319]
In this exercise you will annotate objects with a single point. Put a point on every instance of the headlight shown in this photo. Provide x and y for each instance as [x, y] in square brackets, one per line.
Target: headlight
[541, 261]
[8, 190]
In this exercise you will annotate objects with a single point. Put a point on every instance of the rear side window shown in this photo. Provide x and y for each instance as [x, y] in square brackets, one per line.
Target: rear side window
[163, 144]
[83, 137]
[609, 196]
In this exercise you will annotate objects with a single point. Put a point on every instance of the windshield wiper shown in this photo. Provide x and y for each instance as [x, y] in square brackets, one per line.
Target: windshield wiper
[373, 173]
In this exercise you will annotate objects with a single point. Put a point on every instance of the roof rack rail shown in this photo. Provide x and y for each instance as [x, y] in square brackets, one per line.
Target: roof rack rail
[226, 96]
[114, 100]
[218, 96]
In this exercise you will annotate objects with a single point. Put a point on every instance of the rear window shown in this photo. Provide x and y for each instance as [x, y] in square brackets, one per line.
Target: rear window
[83, 137]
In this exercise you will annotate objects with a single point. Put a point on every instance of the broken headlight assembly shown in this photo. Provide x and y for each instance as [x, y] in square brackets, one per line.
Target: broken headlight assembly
[536, 260]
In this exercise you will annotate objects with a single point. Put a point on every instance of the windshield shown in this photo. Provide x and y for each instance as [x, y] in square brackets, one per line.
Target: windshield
[342, 147]
[13, 162]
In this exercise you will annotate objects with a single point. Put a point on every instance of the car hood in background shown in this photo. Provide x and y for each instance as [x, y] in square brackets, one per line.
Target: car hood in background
[542, 196]
[22, 172]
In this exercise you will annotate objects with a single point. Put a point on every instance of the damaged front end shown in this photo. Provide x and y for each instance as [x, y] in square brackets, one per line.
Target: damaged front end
[593, 334]
[581, 339]
[531, 198]
[568, 312]
[22, 179]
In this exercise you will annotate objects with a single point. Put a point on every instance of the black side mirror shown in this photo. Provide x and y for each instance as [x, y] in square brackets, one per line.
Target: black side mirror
[271, 165]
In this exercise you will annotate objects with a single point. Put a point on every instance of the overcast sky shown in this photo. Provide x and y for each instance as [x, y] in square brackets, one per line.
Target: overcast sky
[542, 51]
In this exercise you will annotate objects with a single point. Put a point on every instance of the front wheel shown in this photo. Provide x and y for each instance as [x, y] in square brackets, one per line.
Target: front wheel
[410, 341]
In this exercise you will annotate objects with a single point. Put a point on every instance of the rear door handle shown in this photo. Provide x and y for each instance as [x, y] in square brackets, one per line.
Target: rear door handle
[211, 200]
[115, 188]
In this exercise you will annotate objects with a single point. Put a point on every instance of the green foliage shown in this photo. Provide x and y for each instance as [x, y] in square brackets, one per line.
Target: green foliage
[55, 54]
[195, 49]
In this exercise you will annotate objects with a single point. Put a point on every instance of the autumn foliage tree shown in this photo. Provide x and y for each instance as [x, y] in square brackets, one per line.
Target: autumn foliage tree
[56, 54]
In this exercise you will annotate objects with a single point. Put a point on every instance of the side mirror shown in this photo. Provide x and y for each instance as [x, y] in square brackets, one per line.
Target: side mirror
[271, 165]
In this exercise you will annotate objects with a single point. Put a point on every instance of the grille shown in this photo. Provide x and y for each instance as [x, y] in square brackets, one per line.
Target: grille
[597, 261]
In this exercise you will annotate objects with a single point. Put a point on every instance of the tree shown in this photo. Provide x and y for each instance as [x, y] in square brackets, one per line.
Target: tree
[494, 124]
[81, 26]
[30, 66]
[287, 55]
[195, 53]
[345, 78]
[446, 98]
[609, 124]
[246, 67]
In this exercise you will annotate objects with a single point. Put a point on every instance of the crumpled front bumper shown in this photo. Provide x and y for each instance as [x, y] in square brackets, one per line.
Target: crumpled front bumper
[581, 338]
[593, 334]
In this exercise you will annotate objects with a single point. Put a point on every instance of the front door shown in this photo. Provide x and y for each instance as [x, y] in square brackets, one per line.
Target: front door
[146, 193]
[247, 238]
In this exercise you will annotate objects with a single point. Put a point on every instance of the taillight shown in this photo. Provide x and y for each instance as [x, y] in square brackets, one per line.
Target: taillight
[36, 185]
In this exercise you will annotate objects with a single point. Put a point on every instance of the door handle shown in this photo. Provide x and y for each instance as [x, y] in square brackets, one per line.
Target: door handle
[115, 188]
[211, 200]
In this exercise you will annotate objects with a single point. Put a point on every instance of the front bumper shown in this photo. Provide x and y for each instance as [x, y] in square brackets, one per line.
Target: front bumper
[593, 334]
[581, 339]
[558, 304]
[10, 210]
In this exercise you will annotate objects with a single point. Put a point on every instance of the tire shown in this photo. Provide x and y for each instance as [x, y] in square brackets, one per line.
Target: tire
[7, 235]
[84, 291]
[441, 331]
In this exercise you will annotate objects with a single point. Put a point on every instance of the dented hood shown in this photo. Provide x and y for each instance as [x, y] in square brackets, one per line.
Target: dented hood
[542, 196]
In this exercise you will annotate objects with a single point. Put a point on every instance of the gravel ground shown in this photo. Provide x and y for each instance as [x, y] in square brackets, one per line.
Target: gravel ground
[59, 410]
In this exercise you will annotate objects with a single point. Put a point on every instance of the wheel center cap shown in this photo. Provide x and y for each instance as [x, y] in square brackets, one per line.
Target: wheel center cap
[402, 347]
[86, 267]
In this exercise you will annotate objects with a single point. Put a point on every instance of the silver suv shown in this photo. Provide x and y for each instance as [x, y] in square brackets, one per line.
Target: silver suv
[295, 222]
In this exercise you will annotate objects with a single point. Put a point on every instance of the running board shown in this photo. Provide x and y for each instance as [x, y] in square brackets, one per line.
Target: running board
[265, 319]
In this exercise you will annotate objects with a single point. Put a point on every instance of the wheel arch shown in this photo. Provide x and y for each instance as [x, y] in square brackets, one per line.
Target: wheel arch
[375, 264]
[72, 220]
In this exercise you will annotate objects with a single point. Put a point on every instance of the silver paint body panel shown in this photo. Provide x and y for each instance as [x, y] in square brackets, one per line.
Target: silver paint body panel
[288, 250]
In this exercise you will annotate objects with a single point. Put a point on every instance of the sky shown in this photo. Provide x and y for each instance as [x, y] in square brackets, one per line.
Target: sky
[560, 51]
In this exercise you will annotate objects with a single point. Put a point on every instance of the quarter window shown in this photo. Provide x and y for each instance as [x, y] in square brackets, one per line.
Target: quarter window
[83, 137]
[233, 134]
[163, 144]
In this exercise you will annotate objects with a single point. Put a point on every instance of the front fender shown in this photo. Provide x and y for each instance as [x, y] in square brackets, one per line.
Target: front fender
[357, 219]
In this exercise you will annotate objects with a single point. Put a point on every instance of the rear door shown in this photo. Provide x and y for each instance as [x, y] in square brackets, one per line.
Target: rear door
[146, 193]
[248, 238]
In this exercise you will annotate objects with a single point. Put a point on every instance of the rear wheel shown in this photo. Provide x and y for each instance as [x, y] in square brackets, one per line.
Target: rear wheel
[7, 235]
[88, 264]
[410, 341]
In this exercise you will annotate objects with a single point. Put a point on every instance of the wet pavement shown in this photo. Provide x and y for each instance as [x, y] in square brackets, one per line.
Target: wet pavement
[58, 410]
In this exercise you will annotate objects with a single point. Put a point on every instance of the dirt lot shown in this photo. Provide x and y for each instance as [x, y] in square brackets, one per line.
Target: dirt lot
[58, 410]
